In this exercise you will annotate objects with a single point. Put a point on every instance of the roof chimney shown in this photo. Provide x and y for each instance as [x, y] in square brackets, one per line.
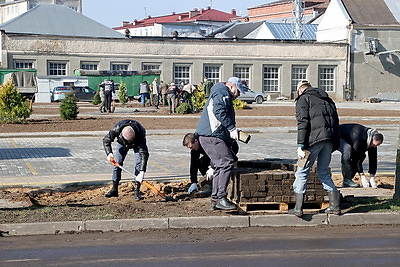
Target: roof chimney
[193, 13]
[208, 8]
[124, 23]
[233, 12]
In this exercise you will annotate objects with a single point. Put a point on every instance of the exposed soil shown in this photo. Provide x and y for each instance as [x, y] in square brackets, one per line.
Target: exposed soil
[88, 203]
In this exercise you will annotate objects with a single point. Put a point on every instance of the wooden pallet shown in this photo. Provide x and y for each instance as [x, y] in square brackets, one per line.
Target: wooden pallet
[279, 206]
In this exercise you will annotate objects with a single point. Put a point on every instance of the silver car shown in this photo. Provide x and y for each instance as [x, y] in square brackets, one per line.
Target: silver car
[249, 96]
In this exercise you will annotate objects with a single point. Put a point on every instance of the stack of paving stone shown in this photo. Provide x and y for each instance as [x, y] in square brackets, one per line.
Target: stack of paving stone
[269, 181]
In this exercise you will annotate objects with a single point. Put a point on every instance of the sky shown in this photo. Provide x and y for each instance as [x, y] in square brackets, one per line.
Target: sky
[111, 13]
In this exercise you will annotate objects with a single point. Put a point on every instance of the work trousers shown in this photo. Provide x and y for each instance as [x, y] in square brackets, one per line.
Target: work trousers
[222, 160]
[119, 156]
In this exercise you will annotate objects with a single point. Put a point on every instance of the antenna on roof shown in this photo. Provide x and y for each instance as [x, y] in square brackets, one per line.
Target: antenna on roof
[145, 12]
[298, 12]
[211, 3]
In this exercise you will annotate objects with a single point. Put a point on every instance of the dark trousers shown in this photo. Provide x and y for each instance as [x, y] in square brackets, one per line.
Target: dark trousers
[223, 161]
[107, 99]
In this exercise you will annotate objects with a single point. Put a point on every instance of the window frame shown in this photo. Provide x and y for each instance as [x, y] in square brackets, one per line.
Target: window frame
[276, 80]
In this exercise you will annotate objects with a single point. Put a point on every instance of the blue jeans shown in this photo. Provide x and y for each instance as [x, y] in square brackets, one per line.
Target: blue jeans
[322, 151]
[119, 156]
[144, 97]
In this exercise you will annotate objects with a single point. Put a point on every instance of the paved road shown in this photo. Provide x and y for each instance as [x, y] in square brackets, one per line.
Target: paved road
[311, 246]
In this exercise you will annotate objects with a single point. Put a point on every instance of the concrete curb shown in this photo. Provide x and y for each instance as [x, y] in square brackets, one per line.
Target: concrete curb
[282, 220]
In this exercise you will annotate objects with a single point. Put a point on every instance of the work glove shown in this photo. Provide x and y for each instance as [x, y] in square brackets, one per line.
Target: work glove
[372, 181]
[210, 174]
[300, 153]
[193, 187]
[110, 157]
[364, 180]
[234, 134]
[140, 177]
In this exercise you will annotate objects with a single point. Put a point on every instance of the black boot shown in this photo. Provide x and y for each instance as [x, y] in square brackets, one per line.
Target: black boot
[214, 204]
[136, 194]
[114, 190]
[334, 200]
[298, 211]
[224, 204]
[347, 173]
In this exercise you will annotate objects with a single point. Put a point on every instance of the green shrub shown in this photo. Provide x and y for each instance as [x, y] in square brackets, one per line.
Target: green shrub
[122, 93]
[68, 108]
[198, 99]
[239, 104]
[13, 107]
[184, 108]
[96, 98]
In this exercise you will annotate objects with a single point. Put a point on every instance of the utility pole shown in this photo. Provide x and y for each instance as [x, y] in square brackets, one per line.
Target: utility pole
[396, 195]
[298, 12]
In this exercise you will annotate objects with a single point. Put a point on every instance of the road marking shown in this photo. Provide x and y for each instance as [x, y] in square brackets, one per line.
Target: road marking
[31, 168]
[159, 166]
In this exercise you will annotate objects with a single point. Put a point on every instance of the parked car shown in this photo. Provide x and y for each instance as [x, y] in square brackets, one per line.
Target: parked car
[59, 92]
[84, 93]
[81, 93]
[249, 96]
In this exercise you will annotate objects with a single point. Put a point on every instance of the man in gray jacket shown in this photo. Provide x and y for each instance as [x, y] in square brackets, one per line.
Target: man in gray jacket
[217, 130]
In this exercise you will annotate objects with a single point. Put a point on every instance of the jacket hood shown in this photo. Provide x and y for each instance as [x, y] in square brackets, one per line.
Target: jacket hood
[314, 92]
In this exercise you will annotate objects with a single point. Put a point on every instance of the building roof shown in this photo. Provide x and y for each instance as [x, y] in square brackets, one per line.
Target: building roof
[373, 12]
[57, 20]
[203, 15]
[280, 31]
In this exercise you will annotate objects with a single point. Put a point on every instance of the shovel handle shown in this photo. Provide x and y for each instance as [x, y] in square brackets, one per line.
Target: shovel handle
[155, 190]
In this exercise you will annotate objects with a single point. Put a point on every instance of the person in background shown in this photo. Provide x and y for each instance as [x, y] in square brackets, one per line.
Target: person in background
[164, 88]
[355, 141]
[172, 92]
[317, 132]
[144, 92]
[108, 91]
[156, 92]
[102, 98]
[130, 134]
[207, 87]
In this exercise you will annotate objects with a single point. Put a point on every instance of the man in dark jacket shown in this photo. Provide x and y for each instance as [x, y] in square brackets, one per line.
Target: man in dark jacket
[199, 161]
[130, 134]
[217, 130]
[317, 132]
[355, 141]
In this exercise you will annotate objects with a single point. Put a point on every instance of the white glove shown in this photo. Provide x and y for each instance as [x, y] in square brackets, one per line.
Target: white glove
[372, 181]
[364, 180]
[210, 174]
[300, 153]
[234, 134]
[139, 177]
[110, 157]
[193, 187]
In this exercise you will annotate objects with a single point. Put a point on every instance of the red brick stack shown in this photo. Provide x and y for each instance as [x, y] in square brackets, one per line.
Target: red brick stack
[270, 181]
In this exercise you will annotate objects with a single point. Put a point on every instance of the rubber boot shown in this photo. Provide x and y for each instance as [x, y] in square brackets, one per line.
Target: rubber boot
[347, 172]
[334, 200]
[298, 211]
[136, 193]
[114, 190]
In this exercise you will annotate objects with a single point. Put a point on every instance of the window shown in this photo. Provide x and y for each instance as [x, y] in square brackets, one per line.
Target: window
[22, 64]
[57, 68]
[298, 73]
[212, 72]
[89, 65]
[181, 73]
[242, 72]
[151, 66]
[326, 78]
[271, 79]
[119, 66]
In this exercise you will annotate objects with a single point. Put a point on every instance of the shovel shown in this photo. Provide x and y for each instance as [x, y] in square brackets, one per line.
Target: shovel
[152, 188]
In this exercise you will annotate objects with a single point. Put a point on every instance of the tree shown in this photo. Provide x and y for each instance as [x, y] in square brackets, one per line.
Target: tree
[68, 107]
[14, 108]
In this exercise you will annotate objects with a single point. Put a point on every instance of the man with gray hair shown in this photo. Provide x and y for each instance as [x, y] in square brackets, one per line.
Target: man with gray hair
[130, 134]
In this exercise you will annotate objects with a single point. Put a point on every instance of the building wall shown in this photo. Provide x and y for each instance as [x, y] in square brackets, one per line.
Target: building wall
[375, 74]
[195, 53]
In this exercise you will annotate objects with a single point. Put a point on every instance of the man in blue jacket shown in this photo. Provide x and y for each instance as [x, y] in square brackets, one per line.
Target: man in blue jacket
[217, 130]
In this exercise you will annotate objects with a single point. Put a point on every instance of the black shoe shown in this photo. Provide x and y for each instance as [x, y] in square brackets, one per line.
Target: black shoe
[114, 190]
[136, 194]
[225, 204]
[214, 204]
